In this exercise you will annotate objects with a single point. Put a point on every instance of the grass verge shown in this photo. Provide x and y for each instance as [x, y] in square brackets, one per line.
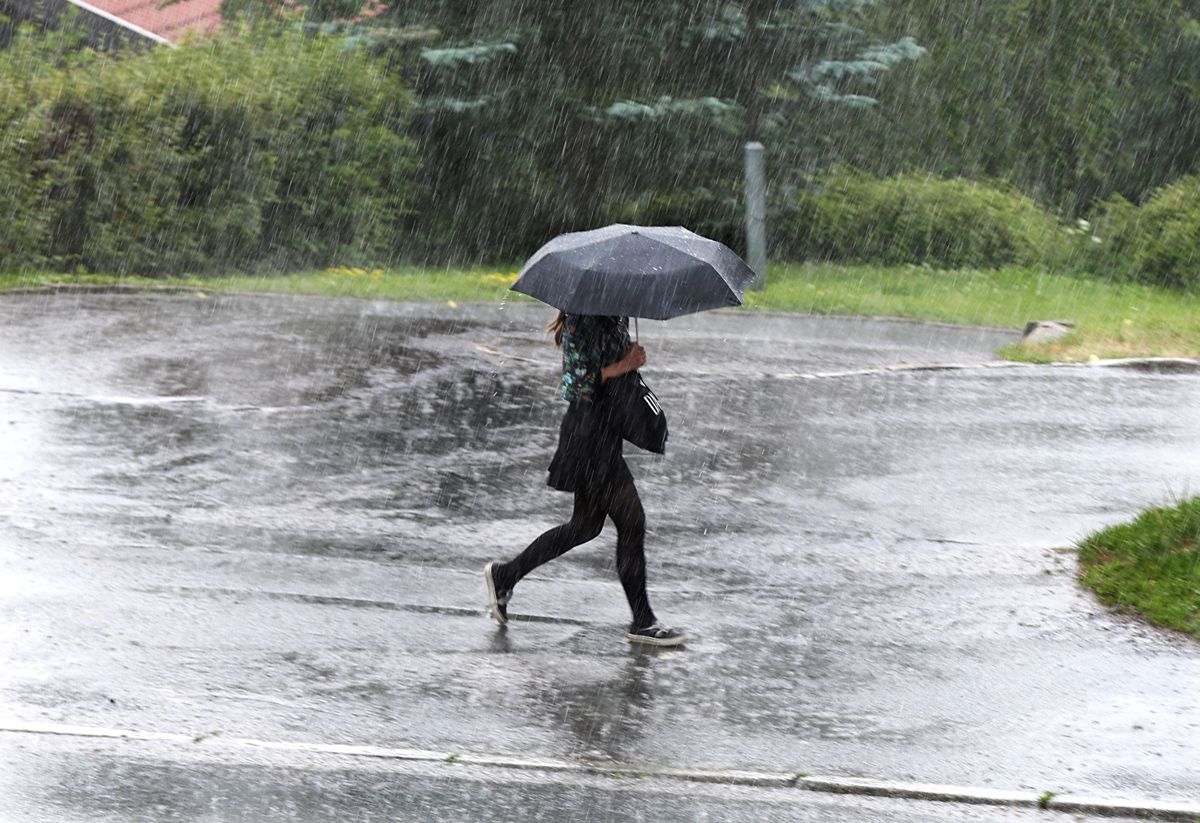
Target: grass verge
[423, 284]
[1150, 567]
[1111, 319]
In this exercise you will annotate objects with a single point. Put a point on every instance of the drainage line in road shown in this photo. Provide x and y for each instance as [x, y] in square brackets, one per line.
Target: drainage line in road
[355, 602]
[833, 784]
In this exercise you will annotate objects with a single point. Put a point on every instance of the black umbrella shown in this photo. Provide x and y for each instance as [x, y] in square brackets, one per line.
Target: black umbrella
[656, 272]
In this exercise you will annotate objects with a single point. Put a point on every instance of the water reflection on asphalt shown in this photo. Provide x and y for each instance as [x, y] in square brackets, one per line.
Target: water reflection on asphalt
[267, 516]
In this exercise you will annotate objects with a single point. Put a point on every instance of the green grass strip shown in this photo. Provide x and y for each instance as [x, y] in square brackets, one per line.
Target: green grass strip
[1150, 567]
[1111, 319]
[416, 284]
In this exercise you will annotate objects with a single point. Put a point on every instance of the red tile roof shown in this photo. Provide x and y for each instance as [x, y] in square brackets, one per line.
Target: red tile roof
[170, 22]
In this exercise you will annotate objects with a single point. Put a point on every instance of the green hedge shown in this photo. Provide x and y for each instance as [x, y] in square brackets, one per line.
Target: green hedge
[915, 219]
[237, 153]
[1157, 243]
[25, 220]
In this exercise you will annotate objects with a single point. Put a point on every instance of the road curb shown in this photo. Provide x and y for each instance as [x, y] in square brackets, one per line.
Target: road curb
[1153, 365]
[919, 791]
[110, 288]
[828, 784]
[1148, 365]
[1050, 801]
[1079, 804]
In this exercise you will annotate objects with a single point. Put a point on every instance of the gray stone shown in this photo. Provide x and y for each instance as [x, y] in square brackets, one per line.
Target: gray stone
[1046, 331]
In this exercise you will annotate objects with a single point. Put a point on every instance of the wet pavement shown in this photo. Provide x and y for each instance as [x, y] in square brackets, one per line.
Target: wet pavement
[111, 784]
[265, 518]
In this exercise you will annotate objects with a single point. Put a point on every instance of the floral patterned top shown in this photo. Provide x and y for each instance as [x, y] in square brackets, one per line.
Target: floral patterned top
[590, 342]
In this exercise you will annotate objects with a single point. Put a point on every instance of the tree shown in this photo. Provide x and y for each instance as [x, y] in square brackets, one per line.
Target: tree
[537, 116]
[1065, 100]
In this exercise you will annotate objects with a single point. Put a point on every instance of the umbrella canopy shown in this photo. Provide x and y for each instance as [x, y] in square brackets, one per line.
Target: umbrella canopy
[656, 272]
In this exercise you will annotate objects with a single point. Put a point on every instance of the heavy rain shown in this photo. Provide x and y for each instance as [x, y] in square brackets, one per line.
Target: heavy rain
[340, 341]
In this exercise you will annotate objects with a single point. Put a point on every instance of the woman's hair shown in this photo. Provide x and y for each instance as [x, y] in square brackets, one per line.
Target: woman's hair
[555, 327]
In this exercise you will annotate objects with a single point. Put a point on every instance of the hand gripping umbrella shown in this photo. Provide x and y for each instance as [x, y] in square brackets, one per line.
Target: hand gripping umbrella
[656, 272]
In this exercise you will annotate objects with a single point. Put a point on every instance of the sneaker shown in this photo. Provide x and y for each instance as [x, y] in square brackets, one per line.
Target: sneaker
[657, 635]
[497, 600]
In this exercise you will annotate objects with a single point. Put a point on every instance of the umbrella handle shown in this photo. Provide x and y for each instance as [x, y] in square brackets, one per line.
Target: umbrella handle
[635, 331]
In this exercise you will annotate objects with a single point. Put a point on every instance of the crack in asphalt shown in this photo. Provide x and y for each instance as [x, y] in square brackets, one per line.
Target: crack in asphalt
[357, 602]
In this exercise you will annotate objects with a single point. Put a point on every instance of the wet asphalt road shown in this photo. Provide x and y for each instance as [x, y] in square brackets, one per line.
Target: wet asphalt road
[265, 518]
[111, 784]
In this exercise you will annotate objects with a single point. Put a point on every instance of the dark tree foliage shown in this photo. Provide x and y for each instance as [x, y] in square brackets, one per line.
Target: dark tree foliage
[1069, 101]
[537, 116]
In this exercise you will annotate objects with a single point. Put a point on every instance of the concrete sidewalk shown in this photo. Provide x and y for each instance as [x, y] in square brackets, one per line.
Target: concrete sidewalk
[266, 518]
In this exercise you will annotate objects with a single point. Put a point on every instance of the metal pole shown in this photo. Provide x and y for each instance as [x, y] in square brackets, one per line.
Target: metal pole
[756, 215]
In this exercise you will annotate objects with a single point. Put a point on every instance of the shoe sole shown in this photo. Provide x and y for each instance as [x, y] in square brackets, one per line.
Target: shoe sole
[493, 601]
[654, 641]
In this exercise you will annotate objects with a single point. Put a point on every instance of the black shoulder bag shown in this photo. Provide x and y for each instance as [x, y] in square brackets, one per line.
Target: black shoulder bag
[637, 413]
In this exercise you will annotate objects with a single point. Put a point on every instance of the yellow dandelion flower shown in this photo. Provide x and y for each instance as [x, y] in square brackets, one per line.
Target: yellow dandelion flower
[452, 304]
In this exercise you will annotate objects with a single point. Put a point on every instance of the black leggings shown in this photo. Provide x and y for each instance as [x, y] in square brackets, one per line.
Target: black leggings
[623, 505]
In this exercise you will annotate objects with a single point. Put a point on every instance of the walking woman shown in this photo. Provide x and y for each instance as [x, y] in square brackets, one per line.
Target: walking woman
[589, 464]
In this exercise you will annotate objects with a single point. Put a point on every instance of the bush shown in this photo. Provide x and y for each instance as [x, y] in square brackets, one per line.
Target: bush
[1158, 243]
[25, 223]
[240, 152]
[25, 218]
[1150, 566]
[915, 219]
